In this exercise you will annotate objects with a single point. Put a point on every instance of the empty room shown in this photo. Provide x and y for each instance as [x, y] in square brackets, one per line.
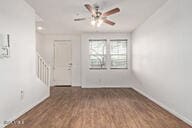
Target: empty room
[95, 63]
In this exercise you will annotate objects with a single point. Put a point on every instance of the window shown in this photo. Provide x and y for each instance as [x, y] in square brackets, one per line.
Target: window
[118, 54]
[105, 54]
[97, 54]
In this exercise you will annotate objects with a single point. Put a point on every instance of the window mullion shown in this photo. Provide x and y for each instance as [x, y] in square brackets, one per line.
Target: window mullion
[108, 59]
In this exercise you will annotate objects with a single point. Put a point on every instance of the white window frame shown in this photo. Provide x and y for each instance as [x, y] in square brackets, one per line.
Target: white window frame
[108, 55]
[126, 54]
[105, 56]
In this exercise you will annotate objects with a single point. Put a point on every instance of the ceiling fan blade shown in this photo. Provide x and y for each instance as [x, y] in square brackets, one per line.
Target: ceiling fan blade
[79, 19]
[90, 8]
[113, 11]
[109, 22]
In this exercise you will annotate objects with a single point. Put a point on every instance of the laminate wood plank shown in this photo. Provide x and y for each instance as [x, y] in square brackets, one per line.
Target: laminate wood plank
[70, 107]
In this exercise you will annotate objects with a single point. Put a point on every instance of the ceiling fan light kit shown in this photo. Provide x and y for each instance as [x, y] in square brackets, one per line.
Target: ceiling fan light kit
[97, 17]
[96, 21]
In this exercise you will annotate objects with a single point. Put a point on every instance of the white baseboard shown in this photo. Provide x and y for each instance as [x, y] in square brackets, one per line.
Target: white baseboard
[76, 85]
[106, 86]
[26, 110]
[186, 120]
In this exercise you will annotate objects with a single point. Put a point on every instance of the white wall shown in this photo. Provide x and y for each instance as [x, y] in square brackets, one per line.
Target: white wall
[162, 49]
[103, 78]
[47, 51]
[39, 42]
[18, 72]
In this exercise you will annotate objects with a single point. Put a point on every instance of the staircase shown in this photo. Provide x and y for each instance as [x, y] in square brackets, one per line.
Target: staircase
[43, 70]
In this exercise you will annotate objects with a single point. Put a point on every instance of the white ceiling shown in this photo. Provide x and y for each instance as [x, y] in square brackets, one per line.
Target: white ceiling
[58, 15]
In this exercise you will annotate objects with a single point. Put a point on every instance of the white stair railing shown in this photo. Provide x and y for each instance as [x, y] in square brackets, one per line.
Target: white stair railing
[43, 70]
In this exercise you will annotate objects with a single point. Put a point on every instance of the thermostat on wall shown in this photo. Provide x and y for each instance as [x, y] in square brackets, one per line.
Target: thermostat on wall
[4, 45]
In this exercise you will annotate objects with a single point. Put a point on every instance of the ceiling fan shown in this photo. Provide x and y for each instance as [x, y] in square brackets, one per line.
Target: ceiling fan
[97, 17]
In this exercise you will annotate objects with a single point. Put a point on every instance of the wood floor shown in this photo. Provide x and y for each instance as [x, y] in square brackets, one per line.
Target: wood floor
[98, 108]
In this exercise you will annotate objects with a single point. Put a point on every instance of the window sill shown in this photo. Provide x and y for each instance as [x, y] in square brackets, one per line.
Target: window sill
[119, 68]
[97, 68]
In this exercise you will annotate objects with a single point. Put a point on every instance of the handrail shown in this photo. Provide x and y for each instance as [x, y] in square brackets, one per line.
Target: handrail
[43, 70]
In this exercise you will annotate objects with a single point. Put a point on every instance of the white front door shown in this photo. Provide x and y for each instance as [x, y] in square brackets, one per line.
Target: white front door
[62, 63]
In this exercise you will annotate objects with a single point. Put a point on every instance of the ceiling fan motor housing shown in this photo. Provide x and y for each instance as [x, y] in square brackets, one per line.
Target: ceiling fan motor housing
[97, 12]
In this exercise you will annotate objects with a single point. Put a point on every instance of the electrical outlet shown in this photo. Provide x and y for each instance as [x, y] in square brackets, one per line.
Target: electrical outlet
[21, 94]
